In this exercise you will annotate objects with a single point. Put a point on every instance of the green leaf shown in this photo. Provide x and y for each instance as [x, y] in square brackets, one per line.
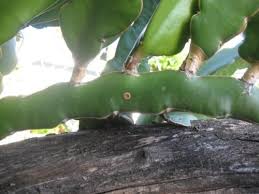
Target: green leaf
[249, 50]
[230, 69]
[218, 61]
[8, 58]
[144, 66]
[131, 38]
[54, 23]
[169, 30]
[88, 24]
[17, 13]
[50, 17]
[218, 21]
[180, 118]
[148, 119]
[185, 118]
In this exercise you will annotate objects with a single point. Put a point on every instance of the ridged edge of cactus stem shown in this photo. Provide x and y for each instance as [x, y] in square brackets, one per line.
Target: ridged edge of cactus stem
[252, 74]
[194, 60]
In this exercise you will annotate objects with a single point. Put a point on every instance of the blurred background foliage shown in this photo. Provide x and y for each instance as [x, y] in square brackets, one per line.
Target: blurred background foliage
[161, 63]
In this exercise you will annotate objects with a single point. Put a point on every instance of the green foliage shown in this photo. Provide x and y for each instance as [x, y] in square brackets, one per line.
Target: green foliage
[220, 20]
[161, 63]
[149, 119]
[218, 61]
[175, 117]
[130, 39]
[168, 31]
[230, 69]
[50, 17]
[185, 118]
[88, 25]
[250, 49]
[166, 62]
[16, 14]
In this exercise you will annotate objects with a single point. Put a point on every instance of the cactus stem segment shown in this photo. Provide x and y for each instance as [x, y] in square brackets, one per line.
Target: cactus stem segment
[215, 96]
[193, 61]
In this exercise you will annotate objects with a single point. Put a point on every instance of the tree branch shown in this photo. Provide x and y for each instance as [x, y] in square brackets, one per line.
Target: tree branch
[215, 155]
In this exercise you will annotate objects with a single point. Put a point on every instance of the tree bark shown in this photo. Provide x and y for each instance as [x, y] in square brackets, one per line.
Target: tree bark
[216, 156]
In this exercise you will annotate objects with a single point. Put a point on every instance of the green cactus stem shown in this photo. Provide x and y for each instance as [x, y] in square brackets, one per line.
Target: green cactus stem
[89, 26]
[16, 13]
[167, 32]
[155, 93]
[217, 22]
[249, 50]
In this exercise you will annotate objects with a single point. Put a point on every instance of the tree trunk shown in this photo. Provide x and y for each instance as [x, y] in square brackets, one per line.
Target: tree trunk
[217, 156]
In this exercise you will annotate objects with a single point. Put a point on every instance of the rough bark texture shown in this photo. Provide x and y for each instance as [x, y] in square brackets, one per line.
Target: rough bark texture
[218, 156]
